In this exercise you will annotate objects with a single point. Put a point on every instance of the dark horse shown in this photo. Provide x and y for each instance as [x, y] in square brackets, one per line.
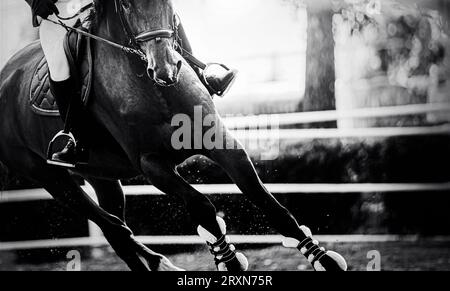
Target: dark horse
[131, 135]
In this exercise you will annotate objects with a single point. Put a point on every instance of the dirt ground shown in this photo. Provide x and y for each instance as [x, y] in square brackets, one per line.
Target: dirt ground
[394, 257]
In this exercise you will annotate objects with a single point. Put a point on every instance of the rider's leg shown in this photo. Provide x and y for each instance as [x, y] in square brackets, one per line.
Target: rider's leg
[218, 79]
[62, 85]
[52, 42]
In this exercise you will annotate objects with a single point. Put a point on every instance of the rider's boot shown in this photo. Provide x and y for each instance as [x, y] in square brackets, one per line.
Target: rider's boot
[217, 78]
[319, 257]
[225, 255]
[74, 153]
[67, 96]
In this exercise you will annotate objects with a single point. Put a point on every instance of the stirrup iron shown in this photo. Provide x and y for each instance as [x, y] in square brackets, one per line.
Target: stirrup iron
[50, 149]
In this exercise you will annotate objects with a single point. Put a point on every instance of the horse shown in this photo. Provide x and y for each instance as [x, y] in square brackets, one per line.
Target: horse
[134, 100]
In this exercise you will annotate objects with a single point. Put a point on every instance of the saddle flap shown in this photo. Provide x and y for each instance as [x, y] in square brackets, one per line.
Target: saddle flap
[41, 99]
[79, 55]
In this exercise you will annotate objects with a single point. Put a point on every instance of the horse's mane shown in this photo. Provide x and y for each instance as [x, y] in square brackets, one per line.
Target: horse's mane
[95, 14]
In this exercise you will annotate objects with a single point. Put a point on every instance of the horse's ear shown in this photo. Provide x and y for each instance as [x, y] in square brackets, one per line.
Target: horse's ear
[99, 3]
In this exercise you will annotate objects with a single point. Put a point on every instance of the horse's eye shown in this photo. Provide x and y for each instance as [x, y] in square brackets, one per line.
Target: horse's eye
[126, 4]
[176, 20]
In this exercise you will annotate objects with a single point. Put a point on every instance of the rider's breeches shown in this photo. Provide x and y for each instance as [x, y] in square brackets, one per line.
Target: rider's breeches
[52, 39]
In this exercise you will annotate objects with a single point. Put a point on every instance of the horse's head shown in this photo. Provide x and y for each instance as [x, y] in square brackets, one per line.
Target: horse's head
[152, 26]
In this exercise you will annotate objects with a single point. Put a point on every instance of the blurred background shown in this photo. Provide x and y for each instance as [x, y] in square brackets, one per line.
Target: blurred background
[365, 84]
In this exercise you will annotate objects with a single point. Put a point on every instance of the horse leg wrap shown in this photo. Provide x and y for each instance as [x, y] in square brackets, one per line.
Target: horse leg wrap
[321, 259]
[225, 255]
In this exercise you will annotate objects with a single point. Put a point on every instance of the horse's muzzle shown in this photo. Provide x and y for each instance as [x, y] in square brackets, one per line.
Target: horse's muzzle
[165, 77]
[164, 64]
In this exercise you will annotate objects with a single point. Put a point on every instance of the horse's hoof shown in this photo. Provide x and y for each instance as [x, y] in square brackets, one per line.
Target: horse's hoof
[331, 262]
[166, 266]
[238, 264]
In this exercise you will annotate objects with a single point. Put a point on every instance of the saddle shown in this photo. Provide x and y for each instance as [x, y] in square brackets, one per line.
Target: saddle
[79, 54]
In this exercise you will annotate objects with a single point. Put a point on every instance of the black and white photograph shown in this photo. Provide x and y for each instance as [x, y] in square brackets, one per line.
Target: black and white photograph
[204, 136]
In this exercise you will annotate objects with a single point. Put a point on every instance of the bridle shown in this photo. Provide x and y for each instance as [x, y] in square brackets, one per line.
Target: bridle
[134, 40]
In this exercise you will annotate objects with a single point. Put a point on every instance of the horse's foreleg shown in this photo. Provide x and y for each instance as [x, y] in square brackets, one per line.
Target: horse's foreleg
[66, 191]
[202, 211]
[239, 167]
[136, 255]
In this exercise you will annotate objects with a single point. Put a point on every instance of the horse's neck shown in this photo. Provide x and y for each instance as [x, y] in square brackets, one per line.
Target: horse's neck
[124, 76]
[131, 67]
[109, 24]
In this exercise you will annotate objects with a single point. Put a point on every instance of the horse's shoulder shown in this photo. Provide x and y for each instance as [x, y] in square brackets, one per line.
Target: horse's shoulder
[22, 64]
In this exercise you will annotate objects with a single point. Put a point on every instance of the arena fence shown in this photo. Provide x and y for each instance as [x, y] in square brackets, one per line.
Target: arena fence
[195, 240]
[96, 238]
[327, 116]
[239, 123]
[325, 133]
[17, 196]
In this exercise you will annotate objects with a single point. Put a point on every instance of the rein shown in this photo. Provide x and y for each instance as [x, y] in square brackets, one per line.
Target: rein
[124, 48]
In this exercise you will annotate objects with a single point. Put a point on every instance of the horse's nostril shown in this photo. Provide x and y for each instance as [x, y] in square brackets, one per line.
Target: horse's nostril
[179, 64]
[151, 73]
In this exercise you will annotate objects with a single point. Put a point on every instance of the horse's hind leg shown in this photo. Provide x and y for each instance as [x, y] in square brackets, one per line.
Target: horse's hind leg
[201, 210]
[112, 199]
[239, 167]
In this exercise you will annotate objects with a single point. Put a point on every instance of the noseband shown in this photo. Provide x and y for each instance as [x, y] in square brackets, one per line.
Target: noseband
[135, 40]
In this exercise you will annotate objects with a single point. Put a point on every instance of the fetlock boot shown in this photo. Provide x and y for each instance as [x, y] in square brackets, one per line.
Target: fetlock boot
[225, 256]
[319, 257]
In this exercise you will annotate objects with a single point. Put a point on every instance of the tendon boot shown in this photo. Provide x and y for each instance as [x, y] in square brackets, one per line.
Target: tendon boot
[225, 255]
[320, 259]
